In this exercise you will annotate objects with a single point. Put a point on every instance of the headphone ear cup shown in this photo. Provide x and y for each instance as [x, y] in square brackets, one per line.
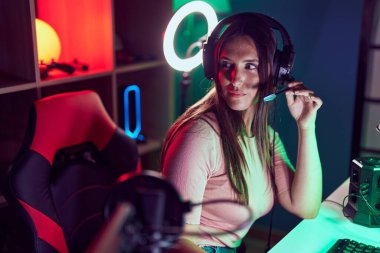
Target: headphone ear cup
[276, 67]
[283, 59]
[208, 59]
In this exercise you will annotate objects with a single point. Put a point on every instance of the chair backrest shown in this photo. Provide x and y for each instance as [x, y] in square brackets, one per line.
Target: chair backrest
[73, 154]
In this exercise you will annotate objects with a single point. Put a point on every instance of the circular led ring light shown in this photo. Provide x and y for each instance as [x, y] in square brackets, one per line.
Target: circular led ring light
[170, 55]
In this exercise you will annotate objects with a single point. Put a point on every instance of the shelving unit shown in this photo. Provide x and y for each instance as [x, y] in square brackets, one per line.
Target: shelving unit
[120, 40]
[366, 140]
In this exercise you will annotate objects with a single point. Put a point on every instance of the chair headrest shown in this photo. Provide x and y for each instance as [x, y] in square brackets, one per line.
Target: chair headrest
[69, 119]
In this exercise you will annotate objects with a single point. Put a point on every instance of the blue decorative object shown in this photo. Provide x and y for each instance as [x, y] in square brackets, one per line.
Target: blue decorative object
[132, 119]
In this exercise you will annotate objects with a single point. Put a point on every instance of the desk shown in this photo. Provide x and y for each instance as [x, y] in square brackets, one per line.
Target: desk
[319, 234]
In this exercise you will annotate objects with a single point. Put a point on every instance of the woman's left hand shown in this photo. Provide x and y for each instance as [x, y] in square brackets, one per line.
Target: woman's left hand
[303, 105]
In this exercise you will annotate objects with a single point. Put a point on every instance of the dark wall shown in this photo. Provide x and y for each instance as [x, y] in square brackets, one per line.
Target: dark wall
[325, 34]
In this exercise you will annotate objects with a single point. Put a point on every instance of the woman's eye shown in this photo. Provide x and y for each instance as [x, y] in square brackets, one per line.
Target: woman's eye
[226, 65]
[251, 66]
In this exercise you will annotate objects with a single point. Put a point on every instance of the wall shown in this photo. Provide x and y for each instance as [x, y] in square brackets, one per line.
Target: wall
[325, 35]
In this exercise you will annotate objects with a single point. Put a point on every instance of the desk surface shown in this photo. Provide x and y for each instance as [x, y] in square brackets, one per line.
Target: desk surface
[319, 234]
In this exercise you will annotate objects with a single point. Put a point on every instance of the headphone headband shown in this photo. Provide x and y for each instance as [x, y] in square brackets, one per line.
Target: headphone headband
[283, 59]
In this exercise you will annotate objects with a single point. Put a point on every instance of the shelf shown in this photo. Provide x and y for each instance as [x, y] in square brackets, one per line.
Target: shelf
[16, 47]
[18, 87]
[8, 79]
[89, 31]
[139, 27]
[139, 66]
[58, 77]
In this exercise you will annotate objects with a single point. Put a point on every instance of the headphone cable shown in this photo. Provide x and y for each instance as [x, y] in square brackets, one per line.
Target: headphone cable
[273, 176]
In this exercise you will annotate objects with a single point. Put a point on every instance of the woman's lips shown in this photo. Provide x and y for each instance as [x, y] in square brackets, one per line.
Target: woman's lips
[236, 93]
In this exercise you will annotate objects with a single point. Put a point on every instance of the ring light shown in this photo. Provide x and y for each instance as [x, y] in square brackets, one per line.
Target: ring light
[170, 55]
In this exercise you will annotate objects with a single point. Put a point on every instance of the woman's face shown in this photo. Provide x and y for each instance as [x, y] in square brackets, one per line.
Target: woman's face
[238, 73]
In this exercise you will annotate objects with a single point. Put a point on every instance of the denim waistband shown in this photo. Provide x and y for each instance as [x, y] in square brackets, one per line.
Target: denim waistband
[217, 249]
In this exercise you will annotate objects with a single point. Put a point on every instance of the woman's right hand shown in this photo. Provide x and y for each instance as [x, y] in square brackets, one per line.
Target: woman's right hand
[303, 104]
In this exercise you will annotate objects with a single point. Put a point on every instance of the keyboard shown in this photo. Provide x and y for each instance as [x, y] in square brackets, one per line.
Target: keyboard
[347, 245]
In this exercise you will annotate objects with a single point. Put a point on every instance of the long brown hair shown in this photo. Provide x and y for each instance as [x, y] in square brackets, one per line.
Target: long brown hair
[232, 128]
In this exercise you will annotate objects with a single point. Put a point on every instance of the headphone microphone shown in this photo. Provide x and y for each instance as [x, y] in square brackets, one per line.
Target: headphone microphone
[283, 58]
[144, 214]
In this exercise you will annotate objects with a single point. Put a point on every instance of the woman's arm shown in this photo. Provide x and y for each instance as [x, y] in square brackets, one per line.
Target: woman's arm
[305, 190]
[188, 164]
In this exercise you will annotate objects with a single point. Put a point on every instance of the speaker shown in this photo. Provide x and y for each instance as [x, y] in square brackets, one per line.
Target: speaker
[363, 206]
[283, 58]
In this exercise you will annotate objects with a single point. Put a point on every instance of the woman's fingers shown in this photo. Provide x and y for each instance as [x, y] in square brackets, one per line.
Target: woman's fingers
[299, 91]
[317, 101]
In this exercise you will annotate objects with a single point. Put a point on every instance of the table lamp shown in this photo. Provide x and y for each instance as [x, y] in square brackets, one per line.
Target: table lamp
[49, 49]
[48, 43]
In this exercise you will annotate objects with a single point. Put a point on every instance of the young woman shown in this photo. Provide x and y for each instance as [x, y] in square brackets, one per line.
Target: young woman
[222, 147]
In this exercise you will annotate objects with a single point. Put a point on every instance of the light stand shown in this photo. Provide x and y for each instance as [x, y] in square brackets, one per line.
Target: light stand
[189, 63]
[186, 79]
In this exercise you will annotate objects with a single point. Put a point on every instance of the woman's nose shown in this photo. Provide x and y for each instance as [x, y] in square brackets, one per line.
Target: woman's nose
[236, 78]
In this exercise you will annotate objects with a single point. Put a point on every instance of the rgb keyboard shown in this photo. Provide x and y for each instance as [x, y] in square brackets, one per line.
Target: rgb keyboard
[347, 245]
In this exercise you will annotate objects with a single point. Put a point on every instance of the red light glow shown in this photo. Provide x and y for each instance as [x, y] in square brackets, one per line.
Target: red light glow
[84, 28]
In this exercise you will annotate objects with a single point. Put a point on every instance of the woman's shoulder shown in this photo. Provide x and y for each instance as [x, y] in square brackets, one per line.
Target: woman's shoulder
[211, 120]
[206, 125]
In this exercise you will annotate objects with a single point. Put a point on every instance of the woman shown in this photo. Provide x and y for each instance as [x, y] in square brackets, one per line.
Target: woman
[222, 147]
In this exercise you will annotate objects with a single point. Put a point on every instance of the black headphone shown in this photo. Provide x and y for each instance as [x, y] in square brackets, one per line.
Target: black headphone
[283, 59]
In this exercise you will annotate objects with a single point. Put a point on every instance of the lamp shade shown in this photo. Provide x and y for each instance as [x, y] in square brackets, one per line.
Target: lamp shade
[48, 43]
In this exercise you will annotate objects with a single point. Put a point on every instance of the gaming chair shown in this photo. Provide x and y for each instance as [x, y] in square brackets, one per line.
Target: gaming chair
[72, 156]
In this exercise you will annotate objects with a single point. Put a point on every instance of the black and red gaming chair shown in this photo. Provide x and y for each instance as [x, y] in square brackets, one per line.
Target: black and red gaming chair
[73, 154]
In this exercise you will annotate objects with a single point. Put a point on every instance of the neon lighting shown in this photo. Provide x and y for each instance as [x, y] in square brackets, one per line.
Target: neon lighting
[133, 133]
[48, 43]
[170, 55]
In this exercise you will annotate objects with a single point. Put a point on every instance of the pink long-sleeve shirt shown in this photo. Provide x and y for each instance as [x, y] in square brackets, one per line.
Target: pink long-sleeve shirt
[194, 164]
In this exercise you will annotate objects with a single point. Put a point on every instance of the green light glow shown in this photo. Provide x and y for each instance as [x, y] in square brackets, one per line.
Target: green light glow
[220, 6]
